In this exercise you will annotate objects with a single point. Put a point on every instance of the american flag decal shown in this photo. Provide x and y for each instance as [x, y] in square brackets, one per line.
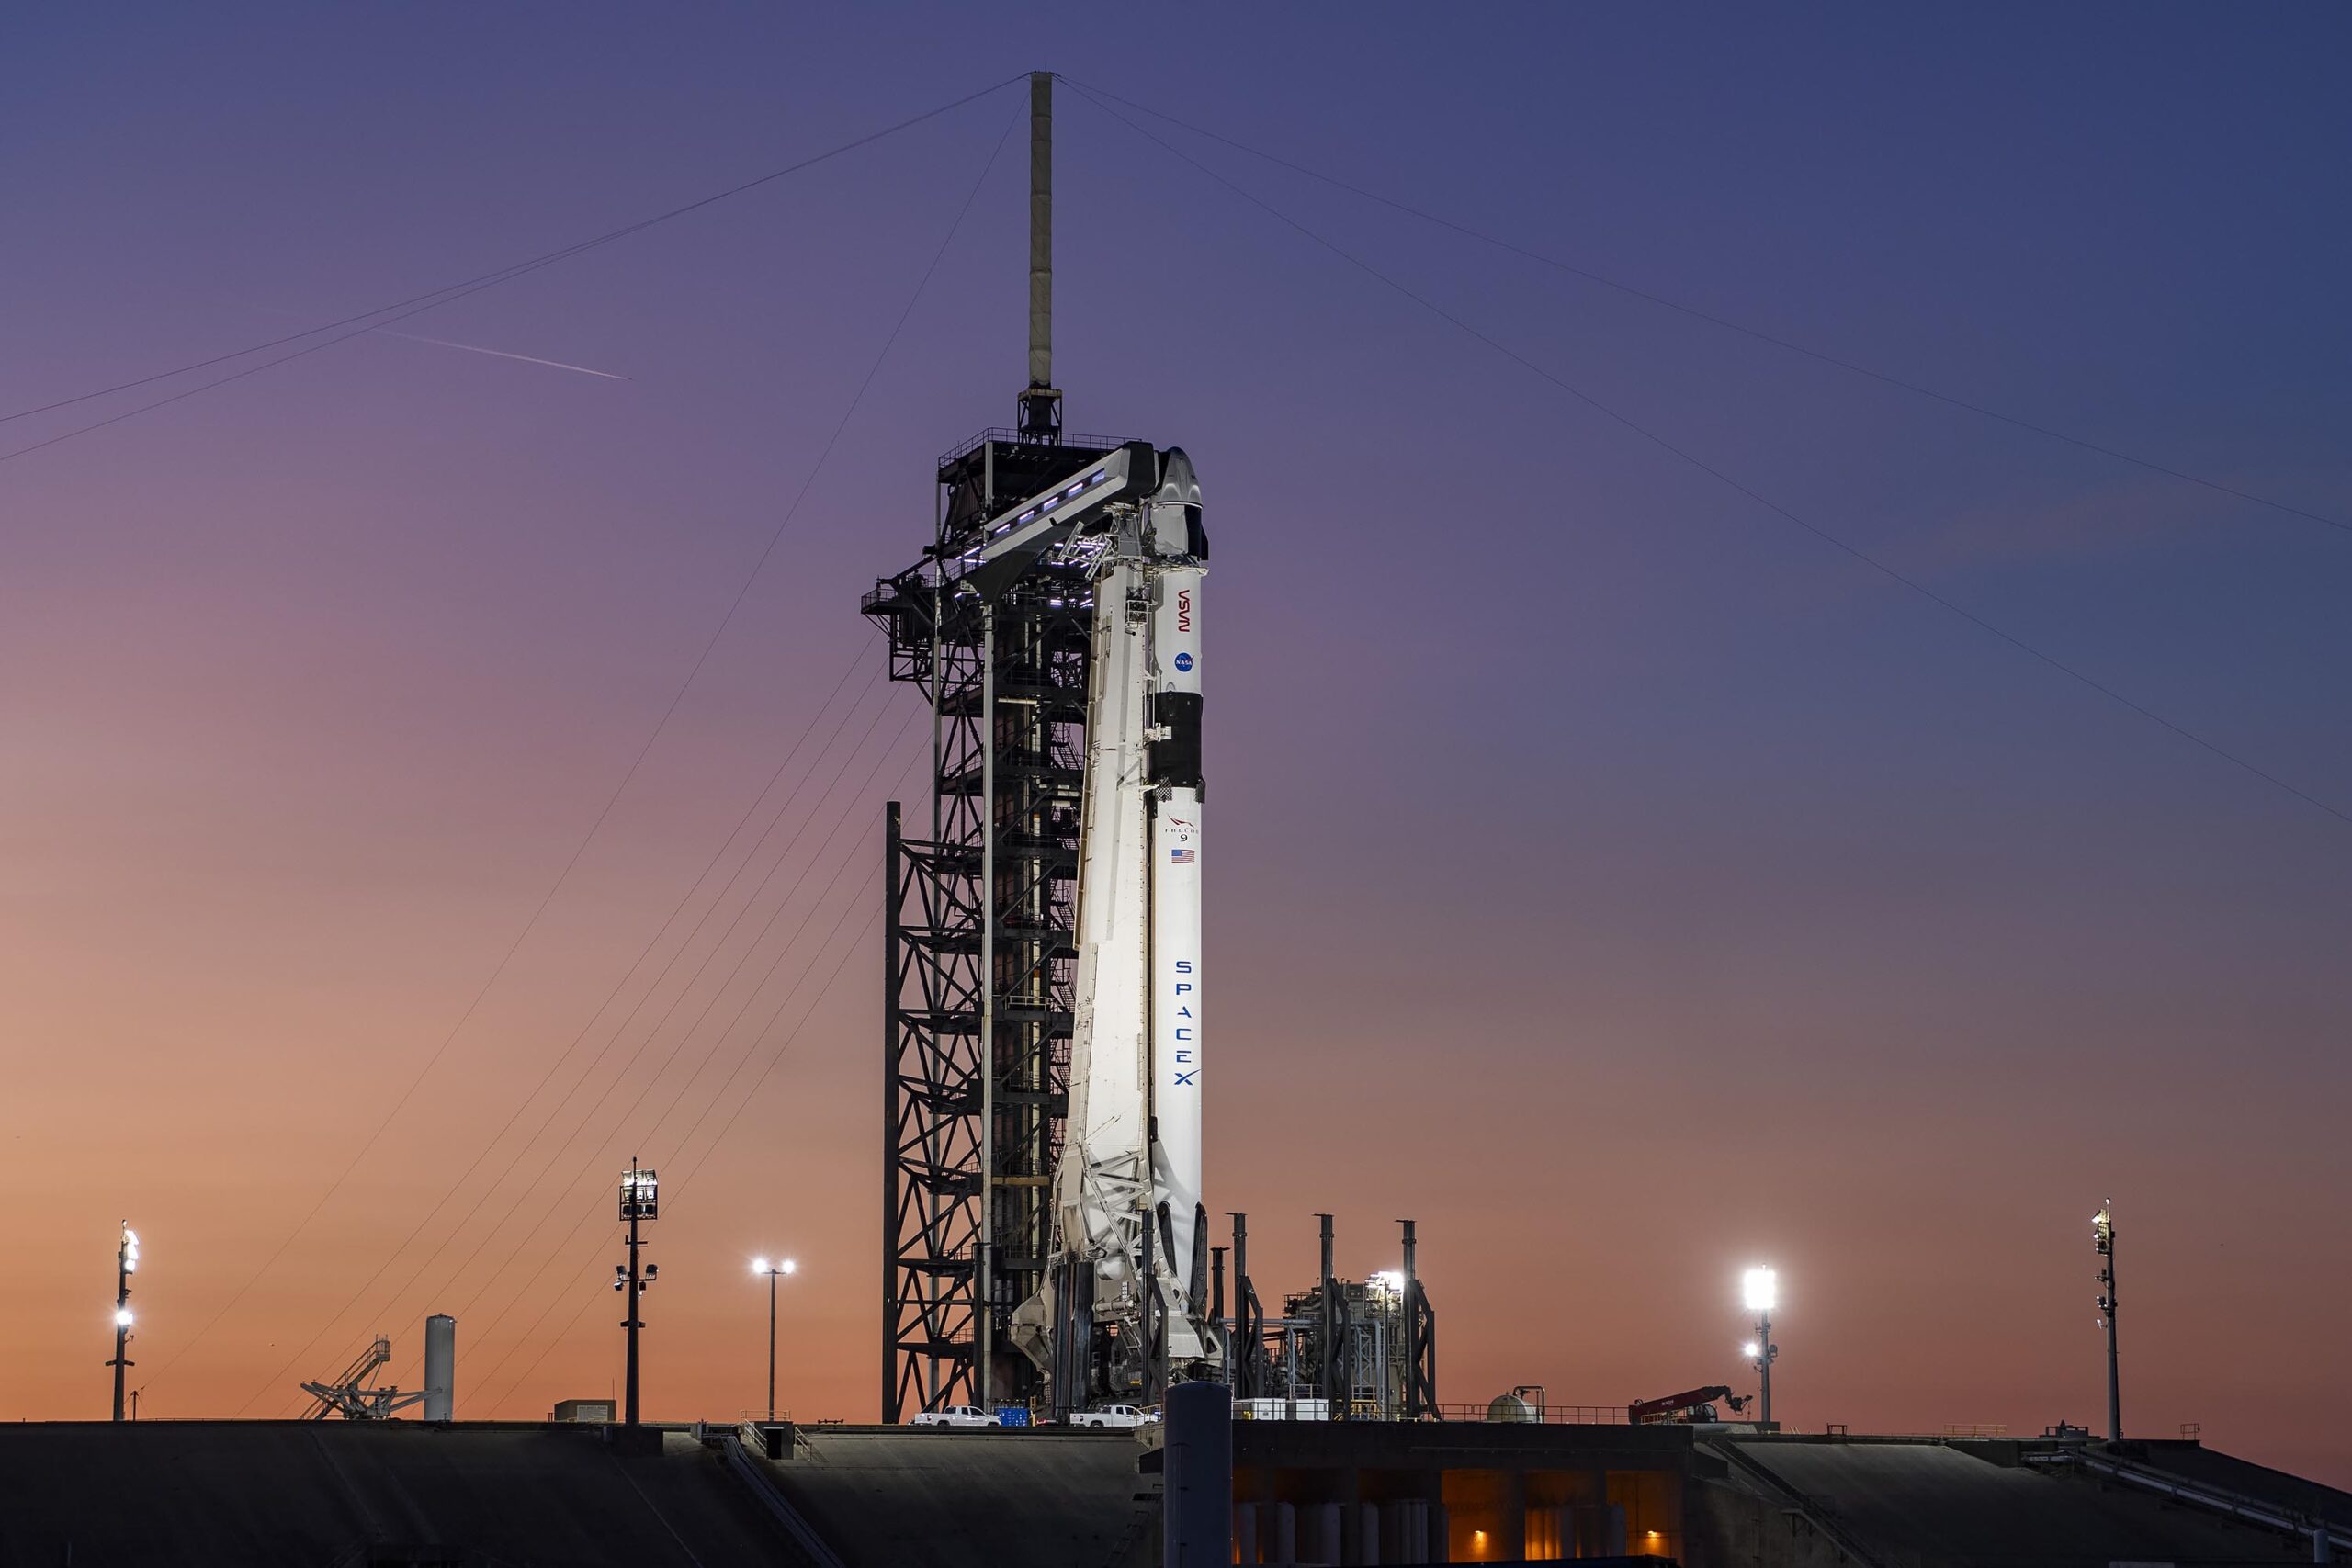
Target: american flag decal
[1181, 857]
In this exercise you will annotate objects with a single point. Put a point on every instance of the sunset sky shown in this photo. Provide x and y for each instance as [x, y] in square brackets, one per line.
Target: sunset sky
[1609, 871]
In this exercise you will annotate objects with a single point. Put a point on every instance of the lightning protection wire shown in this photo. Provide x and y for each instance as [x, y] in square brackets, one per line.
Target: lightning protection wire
[897, 330]
[1711, 318]
[647, 951]
[774, 1060]
[859, 899]
[434, 298]
[580, 1124]
[678, 1185]
[628, 776]
[1721, 477]
[570, 1190]
[783, 858]
[589, 1298]
[945, 243]
[749, 1052]
[449, 1234]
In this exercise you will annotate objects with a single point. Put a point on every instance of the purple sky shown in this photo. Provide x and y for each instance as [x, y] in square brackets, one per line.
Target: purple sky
[1609, 872]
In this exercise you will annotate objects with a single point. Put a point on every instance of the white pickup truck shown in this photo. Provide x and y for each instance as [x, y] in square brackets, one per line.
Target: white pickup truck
[1125, 1416]
[956, 1416]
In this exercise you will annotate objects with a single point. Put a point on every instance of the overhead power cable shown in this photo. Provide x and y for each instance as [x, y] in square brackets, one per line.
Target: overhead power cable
[433, 297]
[1720, 476]
[1727, 323]
[669, 712]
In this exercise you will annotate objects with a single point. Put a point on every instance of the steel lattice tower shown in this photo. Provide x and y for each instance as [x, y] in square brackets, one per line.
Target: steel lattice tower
[973, 1135]
[979, 951]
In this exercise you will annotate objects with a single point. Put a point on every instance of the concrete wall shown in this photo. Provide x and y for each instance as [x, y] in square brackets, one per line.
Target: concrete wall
[884, 1496]
[230, 1495]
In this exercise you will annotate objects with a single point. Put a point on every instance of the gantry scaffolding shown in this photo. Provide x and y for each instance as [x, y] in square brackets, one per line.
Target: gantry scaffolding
[973, 1131]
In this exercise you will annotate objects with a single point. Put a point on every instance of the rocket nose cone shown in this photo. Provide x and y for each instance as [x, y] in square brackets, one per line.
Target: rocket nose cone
[1177, 481]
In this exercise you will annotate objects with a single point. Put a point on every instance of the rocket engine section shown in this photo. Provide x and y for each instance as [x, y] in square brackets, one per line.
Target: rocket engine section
[1126, 1306]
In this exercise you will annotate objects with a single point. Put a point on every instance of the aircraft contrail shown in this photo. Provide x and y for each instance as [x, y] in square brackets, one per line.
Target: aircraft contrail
[470, 348]
[501, 354]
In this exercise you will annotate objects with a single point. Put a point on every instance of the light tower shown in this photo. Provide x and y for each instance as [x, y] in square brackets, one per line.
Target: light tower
[126, 1264]
[640, 1200]
[1760, 1289]
[2103, 1242]
[780, 1266]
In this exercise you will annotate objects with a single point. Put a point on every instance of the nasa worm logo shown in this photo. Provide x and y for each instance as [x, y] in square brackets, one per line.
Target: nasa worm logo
[1183, 661]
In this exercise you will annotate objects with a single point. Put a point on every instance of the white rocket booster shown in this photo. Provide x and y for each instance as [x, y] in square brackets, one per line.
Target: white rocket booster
[1175, 787]
[1103, 1182]
[1130, 1177]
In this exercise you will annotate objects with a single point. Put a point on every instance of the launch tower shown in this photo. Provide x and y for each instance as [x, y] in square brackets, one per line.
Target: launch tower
[1052, 626]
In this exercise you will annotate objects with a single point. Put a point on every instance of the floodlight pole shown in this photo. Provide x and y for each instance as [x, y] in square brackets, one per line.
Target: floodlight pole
[632, 1322]
[639, 1201]
[780, 1266]
[125, 1252]
[2103, 1242]
[1761, 1290]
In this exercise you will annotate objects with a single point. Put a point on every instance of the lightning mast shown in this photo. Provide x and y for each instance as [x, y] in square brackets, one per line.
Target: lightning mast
[1041, 403]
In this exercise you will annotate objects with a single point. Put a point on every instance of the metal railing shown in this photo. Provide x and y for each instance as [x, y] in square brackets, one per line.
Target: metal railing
[2323, 1533]
[773, 1501]
[1010, 437]
[1546, 1412]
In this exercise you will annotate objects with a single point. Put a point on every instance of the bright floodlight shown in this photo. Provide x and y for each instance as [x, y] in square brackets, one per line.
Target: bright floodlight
[1761, 1287]
[122, 1318]
[1390, 1280]
[1751, 1350]
[759, 1265]
[789, 1266]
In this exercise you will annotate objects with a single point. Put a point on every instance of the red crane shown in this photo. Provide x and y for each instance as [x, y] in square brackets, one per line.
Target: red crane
[1690, 1407]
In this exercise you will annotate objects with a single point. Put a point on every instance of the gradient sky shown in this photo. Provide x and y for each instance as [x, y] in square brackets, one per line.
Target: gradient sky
[1609, 873]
